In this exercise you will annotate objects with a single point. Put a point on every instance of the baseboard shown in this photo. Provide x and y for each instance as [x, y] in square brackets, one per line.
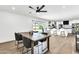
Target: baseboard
[6, 41]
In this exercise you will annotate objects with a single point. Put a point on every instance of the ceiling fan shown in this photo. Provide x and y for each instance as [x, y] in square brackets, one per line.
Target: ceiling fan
[38, 9]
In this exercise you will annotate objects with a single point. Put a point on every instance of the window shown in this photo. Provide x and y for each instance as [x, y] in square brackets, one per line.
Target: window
[39, 26]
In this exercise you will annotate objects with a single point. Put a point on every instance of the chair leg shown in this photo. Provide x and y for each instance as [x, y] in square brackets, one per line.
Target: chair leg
[17, 44]
[23, 50]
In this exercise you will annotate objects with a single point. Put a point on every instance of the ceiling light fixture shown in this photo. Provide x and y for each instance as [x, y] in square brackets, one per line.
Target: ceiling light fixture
[63, 6]
[13, 8]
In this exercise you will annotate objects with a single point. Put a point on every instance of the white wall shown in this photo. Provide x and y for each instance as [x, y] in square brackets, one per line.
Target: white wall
[11, 23]
[74, 21]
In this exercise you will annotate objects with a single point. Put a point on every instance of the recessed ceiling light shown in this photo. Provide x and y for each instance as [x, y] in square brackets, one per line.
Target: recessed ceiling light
[63, 6]
[13, 8]
[30, 12]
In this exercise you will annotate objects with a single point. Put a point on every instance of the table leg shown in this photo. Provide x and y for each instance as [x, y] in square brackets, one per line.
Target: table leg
[48, 43]
[32, 47]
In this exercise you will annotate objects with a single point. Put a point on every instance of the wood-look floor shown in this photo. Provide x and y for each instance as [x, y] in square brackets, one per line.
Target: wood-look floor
[62, 45]
[58, 45]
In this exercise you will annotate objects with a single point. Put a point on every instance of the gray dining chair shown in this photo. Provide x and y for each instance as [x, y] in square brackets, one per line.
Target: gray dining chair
[27, 44]
[18, 40]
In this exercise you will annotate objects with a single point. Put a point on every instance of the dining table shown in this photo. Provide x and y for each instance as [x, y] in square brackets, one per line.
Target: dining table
[36, 36]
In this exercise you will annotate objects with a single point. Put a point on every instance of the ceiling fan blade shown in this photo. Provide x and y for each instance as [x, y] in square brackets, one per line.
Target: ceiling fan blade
[31, 7]
[40, 8]
[42, 11]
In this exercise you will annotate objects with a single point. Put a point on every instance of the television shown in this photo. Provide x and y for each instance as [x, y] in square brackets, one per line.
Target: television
[65, 22]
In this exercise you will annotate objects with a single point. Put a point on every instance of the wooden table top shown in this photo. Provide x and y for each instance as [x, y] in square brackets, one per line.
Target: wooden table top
[34, 36]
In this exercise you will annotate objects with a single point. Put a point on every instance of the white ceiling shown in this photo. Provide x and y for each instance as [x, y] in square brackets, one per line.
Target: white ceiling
[54, 12]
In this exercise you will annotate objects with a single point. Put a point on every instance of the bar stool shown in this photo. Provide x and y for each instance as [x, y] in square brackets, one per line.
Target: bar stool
[55, 32]
[62, 33]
